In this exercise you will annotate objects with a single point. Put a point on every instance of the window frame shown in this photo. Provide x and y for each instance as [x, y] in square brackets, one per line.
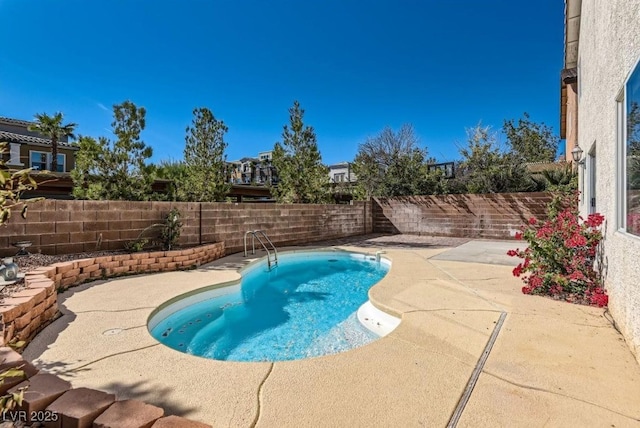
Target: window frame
[48, 161]
[621, 149]
[621, 202]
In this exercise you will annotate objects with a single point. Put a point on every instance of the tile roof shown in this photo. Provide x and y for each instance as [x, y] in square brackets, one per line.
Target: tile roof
[10, 121]
[12, 137]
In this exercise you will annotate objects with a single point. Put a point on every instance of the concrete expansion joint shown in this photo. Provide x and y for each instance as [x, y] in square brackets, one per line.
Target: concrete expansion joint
[607, 315]
[470, 289]
[536, 388]
[260, 388]
[112, 355]
[134, 327]
[466, 395]
[115, 310]
[430, 351]
[518, 314]
[496, 311]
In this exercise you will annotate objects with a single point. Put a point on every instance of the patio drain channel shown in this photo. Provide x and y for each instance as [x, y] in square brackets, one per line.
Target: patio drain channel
[453, 422]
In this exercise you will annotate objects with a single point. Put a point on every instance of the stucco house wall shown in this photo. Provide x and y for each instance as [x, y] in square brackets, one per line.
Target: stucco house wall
[21, 142]
[609, 49]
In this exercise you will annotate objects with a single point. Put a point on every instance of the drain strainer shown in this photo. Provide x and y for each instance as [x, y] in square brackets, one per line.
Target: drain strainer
[112, 331]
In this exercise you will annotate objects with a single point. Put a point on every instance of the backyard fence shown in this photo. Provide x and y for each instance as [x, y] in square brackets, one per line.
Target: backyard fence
[63, 227]
[494, 216]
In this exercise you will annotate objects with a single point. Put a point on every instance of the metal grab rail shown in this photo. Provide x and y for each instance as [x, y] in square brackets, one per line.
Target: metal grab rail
[255, 234]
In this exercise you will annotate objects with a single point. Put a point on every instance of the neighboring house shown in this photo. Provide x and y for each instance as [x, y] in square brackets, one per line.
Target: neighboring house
[448, 169]
[258, 170]
[28, 149]
[601, 123]
[341, 172]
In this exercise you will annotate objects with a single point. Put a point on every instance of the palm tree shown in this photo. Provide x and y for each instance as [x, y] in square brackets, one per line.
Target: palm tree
[52, 127]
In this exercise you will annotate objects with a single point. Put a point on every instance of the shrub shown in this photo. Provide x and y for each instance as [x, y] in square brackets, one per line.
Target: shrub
[171, 231]
[9, 400]
[169, 234]
[136, 246]
[12, 185]
[560, 258]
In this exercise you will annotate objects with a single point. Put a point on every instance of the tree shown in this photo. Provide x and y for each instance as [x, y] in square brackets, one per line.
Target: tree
[52, 128]
[302, 176]
[531, 141]
[118, 169]
[176, 173]
[487, 169]
[87, 166]
[561, 180]
[392, 164]
[204, 158]
[12, 185]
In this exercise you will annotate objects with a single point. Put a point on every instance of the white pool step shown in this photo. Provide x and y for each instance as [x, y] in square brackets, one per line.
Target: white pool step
[377, 321]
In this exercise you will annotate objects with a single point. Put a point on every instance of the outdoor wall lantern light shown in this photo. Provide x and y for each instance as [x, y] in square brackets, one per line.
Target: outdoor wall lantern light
[576, 153]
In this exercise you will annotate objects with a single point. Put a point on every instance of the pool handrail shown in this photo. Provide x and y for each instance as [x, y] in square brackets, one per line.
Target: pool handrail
[255, 235]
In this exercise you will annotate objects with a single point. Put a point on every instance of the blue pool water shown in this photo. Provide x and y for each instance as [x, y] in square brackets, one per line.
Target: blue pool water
[302, 308]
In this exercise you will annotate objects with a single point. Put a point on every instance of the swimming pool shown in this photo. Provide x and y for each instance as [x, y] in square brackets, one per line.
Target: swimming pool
[304, 307]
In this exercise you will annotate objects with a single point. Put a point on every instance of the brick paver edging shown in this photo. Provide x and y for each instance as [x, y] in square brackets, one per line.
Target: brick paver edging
[28, 311]
[51, 400]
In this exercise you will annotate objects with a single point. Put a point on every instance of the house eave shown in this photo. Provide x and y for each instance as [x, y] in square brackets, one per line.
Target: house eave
[569, 73]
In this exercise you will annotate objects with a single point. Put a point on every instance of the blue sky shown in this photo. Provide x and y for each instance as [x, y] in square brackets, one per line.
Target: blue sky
[355, 66]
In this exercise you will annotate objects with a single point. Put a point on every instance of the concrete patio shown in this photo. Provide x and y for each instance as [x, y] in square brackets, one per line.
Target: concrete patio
[552, 364]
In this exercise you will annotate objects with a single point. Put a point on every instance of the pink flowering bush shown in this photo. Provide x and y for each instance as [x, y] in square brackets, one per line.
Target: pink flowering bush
[559, 261]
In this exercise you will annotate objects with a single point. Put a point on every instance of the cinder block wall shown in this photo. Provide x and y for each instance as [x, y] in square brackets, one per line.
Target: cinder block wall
[285, 224]
[64, 227]
[496, 216]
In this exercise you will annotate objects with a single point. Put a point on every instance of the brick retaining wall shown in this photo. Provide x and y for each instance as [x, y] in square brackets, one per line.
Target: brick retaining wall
[64, 227]
[27, 312]
[496, 216]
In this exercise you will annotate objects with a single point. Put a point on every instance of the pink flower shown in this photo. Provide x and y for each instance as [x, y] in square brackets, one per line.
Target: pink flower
[599, 299]
[576, 276]
[534, 281]
[594, 220]
[518, 270]
[544, 232]
[560, 257]
[576, 240]
[556, 289]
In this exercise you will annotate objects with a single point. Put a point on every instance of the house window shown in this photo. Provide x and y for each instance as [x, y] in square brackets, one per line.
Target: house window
[630, 151]
[41, 161]
[447, 168]
[338, 178]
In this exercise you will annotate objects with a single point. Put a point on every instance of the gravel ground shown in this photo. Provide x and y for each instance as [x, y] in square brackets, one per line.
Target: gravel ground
[33, 261]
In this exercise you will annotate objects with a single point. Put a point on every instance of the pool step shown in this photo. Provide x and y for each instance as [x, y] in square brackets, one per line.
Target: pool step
[346, 335]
